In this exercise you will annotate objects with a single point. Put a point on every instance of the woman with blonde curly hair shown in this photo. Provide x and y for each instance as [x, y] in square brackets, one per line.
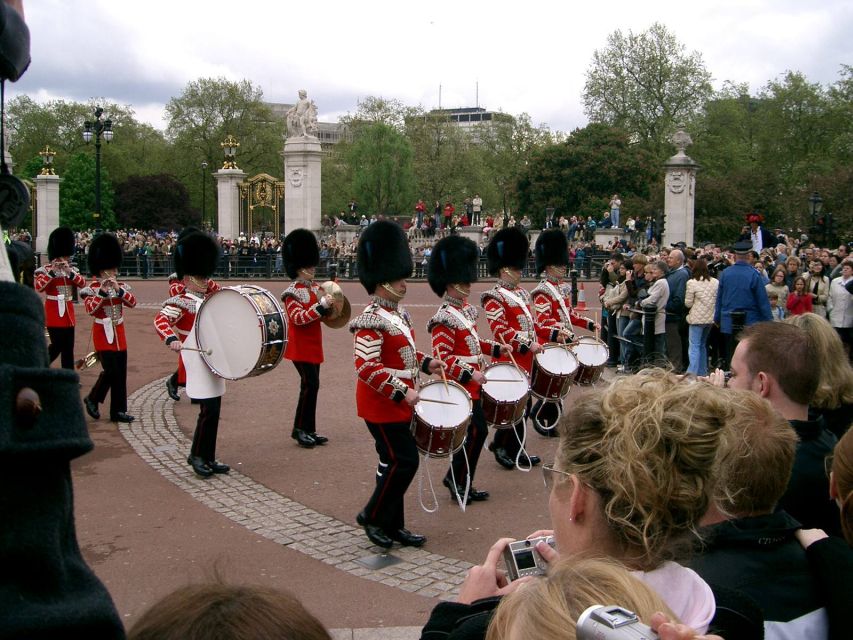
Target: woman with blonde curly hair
[834, 397]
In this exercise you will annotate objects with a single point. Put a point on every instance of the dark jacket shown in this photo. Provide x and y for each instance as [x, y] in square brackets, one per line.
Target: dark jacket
[831, 562]
[768, 240]
[677, 281]
[741, 289]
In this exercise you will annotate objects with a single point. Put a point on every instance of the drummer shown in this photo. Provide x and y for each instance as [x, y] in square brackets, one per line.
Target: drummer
[509, 317]
[196, 257]
[452, 268]
[387, 364]
[552, 301]
[305, 305]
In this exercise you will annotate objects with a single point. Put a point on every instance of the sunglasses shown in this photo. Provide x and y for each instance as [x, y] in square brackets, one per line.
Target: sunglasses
[548, 473]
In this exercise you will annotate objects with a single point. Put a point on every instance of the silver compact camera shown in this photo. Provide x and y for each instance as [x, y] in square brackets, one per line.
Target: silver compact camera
[522, 559]
[612, 623]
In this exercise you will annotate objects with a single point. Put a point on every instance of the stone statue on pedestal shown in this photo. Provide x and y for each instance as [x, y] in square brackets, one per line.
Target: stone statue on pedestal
[302, 118]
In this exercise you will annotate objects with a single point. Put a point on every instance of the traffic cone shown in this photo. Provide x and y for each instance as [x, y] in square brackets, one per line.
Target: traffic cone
[581, 306]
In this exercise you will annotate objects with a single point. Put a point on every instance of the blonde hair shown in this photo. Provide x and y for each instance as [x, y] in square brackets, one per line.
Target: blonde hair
[842, 473]
[835, 375]
[648, 445]
[548, 608]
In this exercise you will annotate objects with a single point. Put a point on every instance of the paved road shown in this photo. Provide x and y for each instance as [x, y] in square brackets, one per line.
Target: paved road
[285, 516]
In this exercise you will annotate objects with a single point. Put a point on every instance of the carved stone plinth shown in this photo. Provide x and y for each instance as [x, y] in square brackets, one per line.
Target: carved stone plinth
[47, 210]
[228, 200]
[680, 193]
[302, 184]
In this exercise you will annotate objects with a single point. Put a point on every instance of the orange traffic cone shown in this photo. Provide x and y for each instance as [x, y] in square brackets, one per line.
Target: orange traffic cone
[581, 306]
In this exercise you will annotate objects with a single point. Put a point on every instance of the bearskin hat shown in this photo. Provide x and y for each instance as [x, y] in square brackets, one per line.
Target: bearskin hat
[453, 260]
[383, 255]
[60, 243]
[507, 248]
[299, 250]
[196, 254]
[187, 231]
[552, 248]
[104, 253]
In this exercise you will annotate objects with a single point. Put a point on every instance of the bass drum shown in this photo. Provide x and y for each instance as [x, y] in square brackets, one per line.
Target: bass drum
[440, 419]
[244, 330]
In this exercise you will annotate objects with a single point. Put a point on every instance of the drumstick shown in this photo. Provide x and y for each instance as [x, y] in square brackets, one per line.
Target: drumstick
[597, 326]
[443, 376]
[435, 401]
[515, 364]
[501, 380]
[206, 352]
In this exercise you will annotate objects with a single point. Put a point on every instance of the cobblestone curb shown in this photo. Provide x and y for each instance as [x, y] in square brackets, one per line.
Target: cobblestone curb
[158, 440]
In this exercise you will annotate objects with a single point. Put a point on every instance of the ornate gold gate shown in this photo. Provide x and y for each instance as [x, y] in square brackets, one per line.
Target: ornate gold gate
[261, 205]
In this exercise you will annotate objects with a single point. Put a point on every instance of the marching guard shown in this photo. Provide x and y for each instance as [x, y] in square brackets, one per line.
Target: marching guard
[105, 298]
[196, 257]
[387, 364]
[305, 304]
[552, 301]
[56, 280]
[509, 317]
[452, 268]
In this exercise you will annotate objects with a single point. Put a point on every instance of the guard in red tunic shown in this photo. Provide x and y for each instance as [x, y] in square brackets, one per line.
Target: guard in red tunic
[196, 256]
[387, 363]
[507, 308]
[305, 305]
[57, 279]
[452, 269]
[105, 298]
[552, 306]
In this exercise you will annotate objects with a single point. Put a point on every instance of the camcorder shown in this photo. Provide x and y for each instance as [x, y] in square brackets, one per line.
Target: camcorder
[522, 559]
[612, 623]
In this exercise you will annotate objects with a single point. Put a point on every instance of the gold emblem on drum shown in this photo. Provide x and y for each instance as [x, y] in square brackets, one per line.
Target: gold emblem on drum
[274, 327]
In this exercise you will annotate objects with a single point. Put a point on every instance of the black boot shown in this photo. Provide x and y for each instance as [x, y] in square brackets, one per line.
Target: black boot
[303, 438]
[218, 467]
[502, 457]
[172, 388]
[200, 466]
[318, 439]
[91, 408]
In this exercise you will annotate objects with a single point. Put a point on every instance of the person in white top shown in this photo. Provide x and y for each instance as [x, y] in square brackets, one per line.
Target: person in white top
[701, 298]
[838, 304]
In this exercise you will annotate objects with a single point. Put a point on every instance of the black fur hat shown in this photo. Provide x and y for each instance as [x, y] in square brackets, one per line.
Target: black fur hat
[507, 248]
[60, 243]
[552, 248]
[383, 255]
[104, 253]
[196, 254]
[299, 250]
[453, 260]
[187, 231]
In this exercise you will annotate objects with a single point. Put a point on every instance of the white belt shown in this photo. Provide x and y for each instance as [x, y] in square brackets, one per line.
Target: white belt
[60, 302]
[405, 374]
[469, 359]
[106, 321]
[180, 332]
[56, 297]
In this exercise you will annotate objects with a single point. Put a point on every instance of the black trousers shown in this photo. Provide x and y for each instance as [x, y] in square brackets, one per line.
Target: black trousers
[113, 379]
[398, 464]
[509, 439]
[62, 343]
[474, 441]
[305, 417]
[204, 438]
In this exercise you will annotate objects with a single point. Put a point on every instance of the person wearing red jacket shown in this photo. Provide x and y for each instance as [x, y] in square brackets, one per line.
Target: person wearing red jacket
[387, 363]
[452, 269]
[552, 309]
[196, 257]
[305, 305]
[57, 280]
[105, 298]
[507, 308]
[799, 300]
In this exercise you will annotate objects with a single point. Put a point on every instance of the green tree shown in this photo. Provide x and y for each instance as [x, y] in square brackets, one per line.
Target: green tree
[154, 202]
[77, 195]
[381, 161]
[441, 157]
[646, 84]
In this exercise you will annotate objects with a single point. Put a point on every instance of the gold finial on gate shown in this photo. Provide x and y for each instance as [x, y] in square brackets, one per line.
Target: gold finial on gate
[229, 148]
[47, 157]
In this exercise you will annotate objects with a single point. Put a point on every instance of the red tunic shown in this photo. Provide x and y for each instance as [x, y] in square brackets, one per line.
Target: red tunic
[508, 314]
[54, 286]
[550, 315]
[304, 331]
[386, 364]
[107, 309]
[455, 341]
[177, 316]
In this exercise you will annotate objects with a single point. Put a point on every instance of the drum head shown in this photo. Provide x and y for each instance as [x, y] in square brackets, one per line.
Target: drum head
[228, 325]
[437, 414]
[591, 353]
[505, 382]
[557, 359]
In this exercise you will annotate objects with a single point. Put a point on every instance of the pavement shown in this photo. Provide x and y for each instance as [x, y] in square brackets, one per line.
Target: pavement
[285, 516]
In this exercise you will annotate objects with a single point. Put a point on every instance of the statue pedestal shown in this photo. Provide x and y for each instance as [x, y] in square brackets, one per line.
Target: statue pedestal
[679, 199]
[228, 199]
[603, 237]
[346, 233]
[47, 210]
[473, 232]
[302, 190]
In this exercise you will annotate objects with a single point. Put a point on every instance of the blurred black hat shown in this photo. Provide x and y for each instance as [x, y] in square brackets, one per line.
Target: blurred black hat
[507, 248]
[453, 260]
[196, 254]
[104, 253]
[742, 246]
[60, 243]
[552, 248]
[383, 255]
[299, 250]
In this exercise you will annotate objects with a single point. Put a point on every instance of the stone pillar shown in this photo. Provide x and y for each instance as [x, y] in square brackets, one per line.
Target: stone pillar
[302, 202]
[473, 232]
[680, 195]
[47, 210]
[228, 202]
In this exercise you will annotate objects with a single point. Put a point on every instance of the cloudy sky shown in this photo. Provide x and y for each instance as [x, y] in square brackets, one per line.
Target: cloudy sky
[528, 56]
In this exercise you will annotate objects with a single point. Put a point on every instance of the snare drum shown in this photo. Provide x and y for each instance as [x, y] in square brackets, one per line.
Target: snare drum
[440, 419]
[245, 330]
[592, 355]
[553, 371]
[504, 394]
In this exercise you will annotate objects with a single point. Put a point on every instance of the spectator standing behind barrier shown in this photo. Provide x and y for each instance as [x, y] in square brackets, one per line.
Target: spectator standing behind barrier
[817, 286]
[799, 300]
[657, 298]
[700, 298]
[615, 206]
[839, 305]
[676, 325]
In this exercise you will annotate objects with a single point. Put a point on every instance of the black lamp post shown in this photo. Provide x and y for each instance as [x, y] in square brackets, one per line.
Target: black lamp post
[815, 206]
[98, 128]
[203, 193]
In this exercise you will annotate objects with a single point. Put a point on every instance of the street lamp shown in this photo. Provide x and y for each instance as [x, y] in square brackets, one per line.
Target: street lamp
[99, 129]
[47, 156]
[815, 206]
[203, 193]
[229, 149]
